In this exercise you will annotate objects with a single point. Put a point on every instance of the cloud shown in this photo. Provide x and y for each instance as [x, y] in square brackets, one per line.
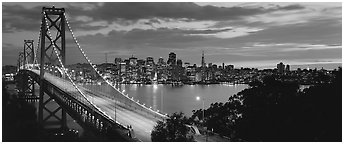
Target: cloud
[306, 47]
[289, 47]
[29, 13]
[18, 18]
[229, 33]
[296, 14]
[133, 11]
[144, 24]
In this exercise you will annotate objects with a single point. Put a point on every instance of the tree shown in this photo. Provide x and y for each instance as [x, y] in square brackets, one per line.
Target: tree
[275, 110]
[172, 129]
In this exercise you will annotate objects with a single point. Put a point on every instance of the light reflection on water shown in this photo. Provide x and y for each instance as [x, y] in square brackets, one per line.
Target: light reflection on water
[170, 99]
[155, 96]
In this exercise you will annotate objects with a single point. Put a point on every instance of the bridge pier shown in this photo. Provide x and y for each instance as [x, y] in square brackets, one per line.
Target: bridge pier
[44, 100]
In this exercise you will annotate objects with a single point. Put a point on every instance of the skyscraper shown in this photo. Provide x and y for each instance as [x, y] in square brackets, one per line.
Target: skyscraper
[161, 61]
[133, 61]
[172, 59]
[202, 62]
[287, 68]
[280, 67]
[150, 61]
[118, 61]
[203, 68]
[186, 64]
[150, 67]
[179, 63]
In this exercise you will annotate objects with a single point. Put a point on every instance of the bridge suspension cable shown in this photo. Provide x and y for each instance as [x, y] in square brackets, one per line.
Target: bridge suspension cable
[95, 68]
[38, 42]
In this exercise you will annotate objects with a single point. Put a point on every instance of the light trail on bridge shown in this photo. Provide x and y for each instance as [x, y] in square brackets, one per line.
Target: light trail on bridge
[142, 123]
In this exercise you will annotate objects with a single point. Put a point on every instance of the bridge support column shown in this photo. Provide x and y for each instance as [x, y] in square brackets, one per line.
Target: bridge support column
[40, 107]
[63, 119]
[55, 116]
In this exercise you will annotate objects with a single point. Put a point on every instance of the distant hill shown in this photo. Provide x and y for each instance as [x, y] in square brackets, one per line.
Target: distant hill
[9, 69]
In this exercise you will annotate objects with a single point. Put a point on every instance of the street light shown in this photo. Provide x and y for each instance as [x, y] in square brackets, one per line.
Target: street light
[199, 98]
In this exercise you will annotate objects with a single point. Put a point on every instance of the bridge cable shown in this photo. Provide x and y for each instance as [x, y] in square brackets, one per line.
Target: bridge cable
[38, 44]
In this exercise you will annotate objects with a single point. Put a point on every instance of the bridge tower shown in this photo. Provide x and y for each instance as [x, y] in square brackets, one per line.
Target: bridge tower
[20, 60]
[29, 52]
[28, 83]
[20, 63]
[53, 24]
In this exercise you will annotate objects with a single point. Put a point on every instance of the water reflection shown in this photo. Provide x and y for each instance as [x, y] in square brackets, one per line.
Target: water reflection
[155, 95]
[171, 99]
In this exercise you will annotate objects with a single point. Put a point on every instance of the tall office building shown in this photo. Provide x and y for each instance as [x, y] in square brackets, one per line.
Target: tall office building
[203, 68]
[160, 61]
[132, 61]
[118, 61]
[172, 59]
[179, 63]
[186, 64]
[202, 62]
[287, 68]
[150, 61]
[210, 65]
[150, 67]
[280, 67]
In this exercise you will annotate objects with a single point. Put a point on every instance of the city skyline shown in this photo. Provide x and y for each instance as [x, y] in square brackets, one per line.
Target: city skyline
[242, 34]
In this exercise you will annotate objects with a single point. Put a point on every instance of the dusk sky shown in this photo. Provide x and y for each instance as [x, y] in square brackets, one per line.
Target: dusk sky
[243, 34]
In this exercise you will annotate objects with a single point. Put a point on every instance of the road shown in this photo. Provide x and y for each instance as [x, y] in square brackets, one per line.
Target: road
[141, 123]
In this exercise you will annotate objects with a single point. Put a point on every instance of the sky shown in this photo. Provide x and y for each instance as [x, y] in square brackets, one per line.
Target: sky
[243, 34]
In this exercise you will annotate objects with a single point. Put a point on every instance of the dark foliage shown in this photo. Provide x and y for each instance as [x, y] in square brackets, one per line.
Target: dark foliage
[278, 111]
[19, 119]
[172, 130]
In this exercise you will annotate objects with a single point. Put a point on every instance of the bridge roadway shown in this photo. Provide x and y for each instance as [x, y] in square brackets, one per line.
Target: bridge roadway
[141, 123]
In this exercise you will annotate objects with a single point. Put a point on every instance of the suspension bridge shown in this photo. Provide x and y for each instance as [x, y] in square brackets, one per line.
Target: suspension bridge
[107, 115]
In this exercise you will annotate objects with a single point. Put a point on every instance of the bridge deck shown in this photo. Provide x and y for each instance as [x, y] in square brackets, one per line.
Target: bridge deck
[141, 122]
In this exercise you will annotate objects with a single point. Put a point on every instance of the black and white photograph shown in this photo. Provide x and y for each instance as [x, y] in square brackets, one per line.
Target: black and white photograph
[171, 71]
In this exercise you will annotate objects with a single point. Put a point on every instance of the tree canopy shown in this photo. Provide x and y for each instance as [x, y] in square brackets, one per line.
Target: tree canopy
[172, 129]
[273, 110]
